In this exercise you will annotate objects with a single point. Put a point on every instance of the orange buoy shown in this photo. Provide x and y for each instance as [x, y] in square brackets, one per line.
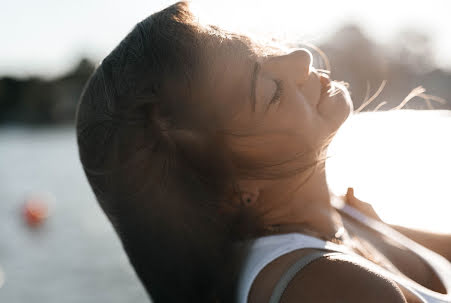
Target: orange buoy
[35, 211]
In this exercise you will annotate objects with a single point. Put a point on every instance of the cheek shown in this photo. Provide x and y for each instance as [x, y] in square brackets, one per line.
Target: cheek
[301, 119]
[281, 151]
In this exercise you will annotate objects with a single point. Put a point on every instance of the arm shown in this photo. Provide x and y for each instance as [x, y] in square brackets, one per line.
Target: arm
[440, 243]
[327, 279]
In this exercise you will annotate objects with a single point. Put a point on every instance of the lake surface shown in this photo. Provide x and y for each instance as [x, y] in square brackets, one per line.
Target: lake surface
[75, 256]
[401, 162]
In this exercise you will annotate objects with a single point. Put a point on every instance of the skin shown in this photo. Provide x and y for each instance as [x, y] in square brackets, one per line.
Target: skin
[295, 126]
[298, 123]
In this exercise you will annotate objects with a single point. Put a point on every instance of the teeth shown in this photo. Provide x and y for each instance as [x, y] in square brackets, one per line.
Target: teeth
[324, 75]
[325, 84]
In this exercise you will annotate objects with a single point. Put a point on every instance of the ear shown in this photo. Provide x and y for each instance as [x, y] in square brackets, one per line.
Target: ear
[248, 192]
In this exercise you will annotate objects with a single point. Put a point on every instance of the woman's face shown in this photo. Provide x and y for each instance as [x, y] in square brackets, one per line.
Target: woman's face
[276, 107]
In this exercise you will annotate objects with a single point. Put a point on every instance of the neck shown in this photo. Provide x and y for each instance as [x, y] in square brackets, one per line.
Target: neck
[307, 205]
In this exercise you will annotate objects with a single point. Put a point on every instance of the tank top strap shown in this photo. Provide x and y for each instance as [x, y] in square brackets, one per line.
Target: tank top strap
[264, 250]
[286, 278]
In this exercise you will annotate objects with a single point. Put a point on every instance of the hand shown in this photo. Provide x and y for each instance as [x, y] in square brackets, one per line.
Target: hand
[361, 206]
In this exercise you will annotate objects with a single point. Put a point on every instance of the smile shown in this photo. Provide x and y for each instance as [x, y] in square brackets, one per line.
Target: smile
[326, 86]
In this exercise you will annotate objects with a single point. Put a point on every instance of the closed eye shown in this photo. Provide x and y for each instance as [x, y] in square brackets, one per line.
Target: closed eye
[278, 92]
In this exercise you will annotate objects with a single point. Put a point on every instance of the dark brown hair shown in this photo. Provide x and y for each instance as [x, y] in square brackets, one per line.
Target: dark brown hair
[157, 166]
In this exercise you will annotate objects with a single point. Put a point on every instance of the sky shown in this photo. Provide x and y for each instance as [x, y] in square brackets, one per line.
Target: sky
[48, 37]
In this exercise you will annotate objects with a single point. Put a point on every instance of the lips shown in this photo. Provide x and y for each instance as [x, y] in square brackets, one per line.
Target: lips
[325, 83]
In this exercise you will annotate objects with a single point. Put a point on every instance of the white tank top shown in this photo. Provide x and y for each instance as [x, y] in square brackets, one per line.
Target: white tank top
[264, 250]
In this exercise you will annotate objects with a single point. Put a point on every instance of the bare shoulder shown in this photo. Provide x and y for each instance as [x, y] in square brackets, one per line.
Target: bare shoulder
[327, 279]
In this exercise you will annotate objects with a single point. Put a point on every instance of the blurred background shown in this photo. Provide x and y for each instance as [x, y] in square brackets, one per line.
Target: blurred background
[55, 243]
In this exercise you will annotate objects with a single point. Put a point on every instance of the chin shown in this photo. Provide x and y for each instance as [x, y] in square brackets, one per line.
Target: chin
[336, 109]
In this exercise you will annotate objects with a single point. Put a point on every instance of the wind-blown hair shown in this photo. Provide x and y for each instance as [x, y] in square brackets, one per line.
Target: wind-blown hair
[154, 161]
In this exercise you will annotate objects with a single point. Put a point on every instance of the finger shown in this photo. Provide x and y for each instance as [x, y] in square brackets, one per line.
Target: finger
[349, 198]
[350, 192]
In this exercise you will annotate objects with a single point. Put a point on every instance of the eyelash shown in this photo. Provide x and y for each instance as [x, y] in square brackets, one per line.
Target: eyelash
[278, 93]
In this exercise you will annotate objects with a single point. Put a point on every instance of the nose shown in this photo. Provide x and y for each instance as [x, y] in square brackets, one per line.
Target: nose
[301, 64]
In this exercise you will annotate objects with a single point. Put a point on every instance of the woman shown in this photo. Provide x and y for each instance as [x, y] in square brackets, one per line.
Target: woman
[206, 151]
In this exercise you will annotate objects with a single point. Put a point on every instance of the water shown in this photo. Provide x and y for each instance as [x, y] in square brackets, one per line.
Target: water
[398, 161]
[75, 256]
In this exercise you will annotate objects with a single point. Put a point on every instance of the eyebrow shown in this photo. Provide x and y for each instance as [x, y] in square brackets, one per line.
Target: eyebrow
[253, 84]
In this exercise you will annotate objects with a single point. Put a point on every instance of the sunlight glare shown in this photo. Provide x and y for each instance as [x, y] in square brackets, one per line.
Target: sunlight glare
[399, 161]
